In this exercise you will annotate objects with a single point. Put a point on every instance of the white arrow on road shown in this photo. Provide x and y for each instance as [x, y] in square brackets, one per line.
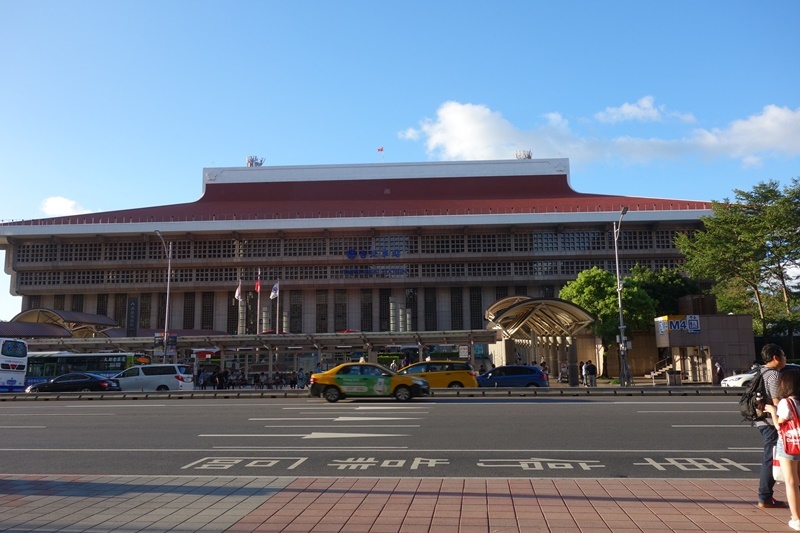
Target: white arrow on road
[314, 435]
[344, 418]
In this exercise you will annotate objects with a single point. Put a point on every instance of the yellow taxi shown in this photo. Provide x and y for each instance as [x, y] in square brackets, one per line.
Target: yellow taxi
[366, 379]
[443, 374]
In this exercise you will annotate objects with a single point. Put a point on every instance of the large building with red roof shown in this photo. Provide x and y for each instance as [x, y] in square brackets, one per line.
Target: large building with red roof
[373, 247]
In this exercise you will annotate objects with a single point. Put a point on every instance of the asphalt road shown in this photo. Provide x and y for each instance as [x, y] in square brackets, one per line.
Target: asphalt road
[597, 437]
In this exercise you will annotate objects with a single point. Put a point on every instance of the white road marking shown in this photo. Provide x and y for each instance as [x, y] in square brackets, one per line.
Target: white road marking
[687, 412]
[592, 451]
[341, 418]
[356, 408]
[112, 406]
[312, 435]
[354, 426]
[732, 402]
[711, 426]
[56, 414]
[312, 448]
[23, 427]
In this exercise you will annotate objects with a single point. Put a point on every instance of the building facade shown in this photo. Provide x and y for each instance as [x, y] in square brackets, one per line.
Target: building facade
[377, 247]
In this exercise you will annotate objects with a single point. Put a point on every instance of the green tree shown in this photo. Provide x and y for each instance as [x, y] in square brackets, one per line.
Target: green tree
[665, 286]
[751, 249]
[596, 291]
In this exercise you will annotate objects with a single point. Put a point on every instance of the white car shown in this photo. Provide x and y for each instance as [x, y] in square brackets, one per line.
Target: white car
[738, 380]
[156, 378]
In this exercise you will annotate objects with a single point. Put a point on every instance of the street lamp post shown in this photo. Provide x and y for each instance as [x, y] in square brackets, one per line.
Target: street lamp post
[168, 253]
[625, 379]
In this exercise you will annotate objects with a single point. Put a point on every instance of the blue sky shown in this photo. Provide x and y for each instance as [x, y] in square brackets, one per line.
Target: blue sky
[111, 105]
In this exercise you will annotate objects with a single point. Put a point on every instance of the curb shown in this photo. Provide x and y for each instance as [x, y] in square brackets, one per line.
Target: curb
[499, 392]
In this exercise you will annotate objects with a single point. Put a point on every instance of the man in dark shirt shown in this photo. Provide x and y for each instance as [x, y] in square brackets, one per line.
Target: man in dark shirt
[591, 374]
[774, 360]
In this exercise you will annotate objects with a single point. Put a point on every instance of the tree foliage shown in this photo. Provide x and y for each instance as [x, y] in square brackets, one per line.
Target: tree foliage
[665, 287]
[751, 249]
[596, 291]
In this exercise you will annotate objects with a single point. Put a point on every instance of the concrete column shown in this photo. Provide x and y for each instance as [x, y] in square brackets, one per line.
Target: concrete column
[552, 359]
[240, 330]
[572, 362]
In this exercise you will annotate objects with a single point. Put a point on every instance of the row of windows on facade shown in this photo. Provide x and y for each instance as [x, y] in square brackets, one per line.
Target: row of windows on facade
[233, 274]
[295, 313]
[393, 246]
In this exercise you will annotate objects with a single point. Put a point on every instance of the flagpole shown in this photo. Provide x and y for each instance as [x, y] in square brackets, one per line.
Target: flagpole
[278, 309]
[238, 297]
[258, 303]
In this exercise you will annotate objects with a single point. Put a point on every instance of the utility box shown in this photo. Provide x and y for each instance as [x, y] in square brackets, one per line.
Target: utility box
[674, 377]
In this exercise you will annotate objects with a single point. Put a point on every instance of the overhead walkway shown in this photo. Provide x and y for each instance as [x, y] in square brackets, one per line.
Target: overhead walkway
[546, 329]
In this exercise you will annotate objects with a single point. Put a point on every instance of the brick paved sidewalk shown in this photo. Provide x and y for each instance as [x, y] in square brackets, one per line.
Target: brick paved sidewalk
[176, 504]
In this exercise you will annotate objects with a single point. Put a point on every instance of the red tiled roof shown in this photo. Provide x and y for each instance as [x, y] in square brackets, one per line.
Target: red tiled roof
[386, 197]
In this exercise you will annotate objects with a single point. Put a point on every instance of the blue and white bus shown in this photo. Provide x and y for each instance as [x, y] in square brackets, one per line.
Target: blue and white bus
[44, 366]
[13, 364]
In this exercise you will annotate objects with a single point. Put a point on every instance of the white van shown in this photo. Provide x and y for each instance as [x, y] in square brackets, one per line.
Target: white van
[156, 378]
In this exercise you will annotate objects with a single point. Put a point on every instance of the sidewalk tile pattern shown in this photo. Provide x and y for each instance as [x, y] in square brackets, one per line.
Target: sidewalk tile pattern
[183, 504]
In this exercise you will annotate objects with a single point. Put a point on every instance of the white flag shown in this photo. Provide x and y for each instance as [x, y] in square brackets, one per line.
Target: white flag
[238, 294]
[274, 293]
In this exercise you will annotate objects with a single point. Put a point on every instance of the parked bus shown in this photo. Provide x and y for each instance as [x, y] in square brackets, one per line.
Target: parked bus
[13, 363]
[44, 366]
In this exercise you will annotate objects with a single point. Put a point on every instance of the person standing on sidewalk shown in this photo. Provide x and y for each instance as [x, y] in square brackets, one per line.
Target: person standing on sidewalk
[591, 374]
[773, 360]
[789, 392]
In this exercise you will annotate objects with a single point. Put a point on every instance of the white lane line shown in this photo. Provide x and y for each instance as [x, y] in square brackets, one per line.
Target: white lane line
[736, 402]
[340, 426]
[311, 448]
[341, 418]
[136, 405]
[711, 426]
[56, 414]
[355, 408]
[312, 435]
[406, 448]
[23, 427]
[687, 412]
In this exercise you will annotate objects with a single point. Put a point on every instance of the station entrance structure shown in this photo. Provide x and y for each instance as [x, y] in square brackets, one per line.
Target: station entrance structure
[544, 329]
[270, 348]
[519, 327]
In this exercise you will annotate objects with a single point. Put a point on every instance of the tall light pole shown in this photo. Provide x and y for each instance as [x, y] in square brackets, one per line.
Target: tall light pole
[625, 379]
[168, 253]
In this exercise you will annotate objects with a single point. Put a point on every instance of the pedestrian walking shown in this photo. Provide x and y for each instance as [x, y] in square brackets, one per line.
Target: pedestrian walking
[773, 360]
[719, 373]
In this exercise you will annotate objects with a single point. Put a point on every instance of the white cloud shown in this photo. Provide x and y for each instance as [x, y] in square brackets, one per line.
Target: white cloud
[470, 132]
[775, 131]
[643, 110]
[56, 206]
[410, 134]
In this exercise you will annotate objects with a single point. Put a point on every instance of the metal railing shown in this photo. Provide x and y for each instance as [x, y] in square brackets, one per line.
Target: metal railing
[661, 366]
